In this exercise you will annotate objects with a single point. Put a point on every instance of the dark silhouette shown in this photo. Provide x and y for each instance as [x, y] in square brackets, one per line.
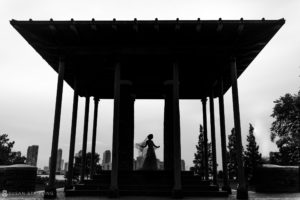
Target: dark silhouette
[7, 156]
[198, 161]
[232, 155]
[77, 164]
[150, 162]
[285, 130]
[253, 158]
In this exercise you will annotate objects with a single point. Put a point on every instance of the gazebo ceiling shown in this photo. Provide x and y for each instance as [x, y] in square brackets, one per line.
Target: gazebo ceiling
[147, 50]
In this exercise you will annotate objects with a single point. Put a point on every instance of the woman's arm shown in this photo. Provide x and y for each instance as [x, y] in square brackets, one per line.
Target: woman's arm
[155, 145]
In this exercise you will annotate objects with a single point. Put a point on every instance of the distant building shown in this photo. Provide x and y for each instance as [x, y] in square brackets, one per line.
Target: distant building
[32, 155]
[62, 165]
[106, 157]
[58, 161]
[182, 165]
[106, 161]
[66, 166]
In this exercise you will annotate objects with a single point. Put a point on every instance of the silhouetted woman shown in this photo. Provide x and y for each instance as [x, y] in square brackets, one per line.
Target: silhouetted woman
[150, 162]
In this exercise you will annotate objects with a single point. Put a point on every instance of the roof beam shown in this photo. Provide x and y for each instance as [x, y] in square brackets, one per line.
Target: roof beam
[93, 25]
[198, 26]
[114, 25]
[156, 25]
[135, 25]
[241, 27]
[219, 26]
[74, 29]
[177, 25]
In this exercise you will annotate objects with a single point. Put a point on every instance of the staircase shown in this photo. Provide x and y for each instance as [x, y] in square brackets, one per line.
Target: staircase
[146, 183]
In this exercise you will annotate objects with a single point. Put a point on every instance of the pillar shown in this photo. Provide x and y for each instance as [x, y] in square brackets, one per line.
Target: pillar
[126, 134]
[213, 137]
[116, 121]
[226, 186]
[96, 102]
[176, 134]
[50, 190]
[73, 137]
[205, 138]
[168, 130]
[84, 140]
[242, 192]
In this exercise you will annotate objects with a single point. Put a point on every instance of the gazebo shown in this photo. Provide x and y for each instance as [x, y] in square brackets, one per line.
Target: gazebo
[155, 59]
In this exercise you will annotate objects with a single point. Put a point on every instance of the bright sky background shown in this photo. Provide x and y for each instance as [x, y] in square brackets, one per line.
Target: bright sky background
[28, 84]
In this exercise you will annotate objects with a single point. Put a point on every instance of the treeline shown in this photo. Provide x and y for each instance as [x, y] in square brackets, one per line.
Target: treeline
[251, 156]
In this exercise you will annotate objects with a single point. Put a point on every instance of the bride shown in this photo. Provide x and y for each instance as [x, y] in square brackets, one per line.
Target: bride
[148, 154]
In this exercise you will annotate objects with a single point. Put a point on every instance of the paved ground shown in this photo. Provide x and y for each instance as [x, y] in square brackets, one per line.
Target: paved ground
[252, 196]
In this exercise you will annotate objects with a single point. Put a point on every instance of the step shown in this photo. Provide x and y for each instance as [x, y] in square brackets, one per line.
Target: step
[145, 193]
[205, 193]
[91, 187]
[74, 192]
[200, 187]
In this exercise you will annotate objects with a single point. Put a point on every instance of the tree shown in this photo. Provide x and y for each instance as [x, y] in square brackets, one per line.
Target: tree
[77, 165]
[232, 155]
[7, 156]
[210, 159]
[252, 156]
[198, 161]
[285, 130]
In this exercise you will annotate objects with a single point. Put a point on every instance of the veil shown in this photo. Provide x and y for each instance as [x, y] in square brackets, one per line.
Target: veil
[142, 151]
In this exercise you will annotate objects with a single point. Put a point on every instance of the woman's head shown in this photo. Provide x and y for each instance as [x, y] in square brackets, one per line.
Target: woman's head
[150, 136]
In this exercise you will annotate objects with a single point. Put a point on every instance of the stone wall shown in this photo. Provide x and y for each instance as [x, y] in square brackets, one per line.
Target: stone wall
[18, 178]
[275, 179]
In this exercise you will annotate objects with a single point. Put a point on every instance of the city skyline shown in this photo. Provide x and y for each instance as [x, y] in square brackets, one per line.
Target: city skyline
[29, 84]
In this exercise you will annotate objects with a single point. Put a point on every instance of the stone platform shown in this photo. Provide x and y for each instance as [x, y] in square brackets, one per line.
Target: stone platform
[146, 183]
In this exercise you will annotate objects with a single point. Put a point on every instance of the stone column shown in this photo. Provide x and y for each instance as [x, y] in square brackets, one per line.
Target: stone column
[50, 190]
[205, 138]
[84, 140]
[96, 102]
[242, 192]
[116, 124]
[213, 137]
[226, 186]
[73, 137]
[168, 130]
[126, 134]
[176, 134]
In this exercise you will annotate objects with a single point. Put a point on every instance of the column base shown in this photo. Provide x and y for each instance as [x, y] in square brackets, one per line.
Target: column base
[177, 194]
[227, 189]
[114, 193]
[50, 193]
[242, 193]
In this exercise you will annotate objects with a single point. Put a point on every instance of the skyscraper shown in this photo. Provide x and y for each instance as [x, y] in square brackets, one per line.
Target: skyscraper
[106, 165]
[66, 166]
[62, 165]
[32, 155]
[58, 161]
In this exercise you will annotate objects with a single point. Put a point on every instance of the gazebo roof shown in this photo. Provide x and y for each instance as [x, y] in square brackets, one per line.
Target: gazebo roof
[147, 50]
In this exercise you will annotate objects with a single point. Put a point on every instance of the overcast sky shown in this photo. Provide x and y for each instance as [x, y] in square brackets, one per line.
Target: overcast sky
[28, 84]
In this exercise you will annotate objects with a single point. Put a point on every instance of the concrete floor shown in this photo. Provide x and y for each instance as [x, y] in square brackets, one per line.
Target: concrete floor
[61, 196]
